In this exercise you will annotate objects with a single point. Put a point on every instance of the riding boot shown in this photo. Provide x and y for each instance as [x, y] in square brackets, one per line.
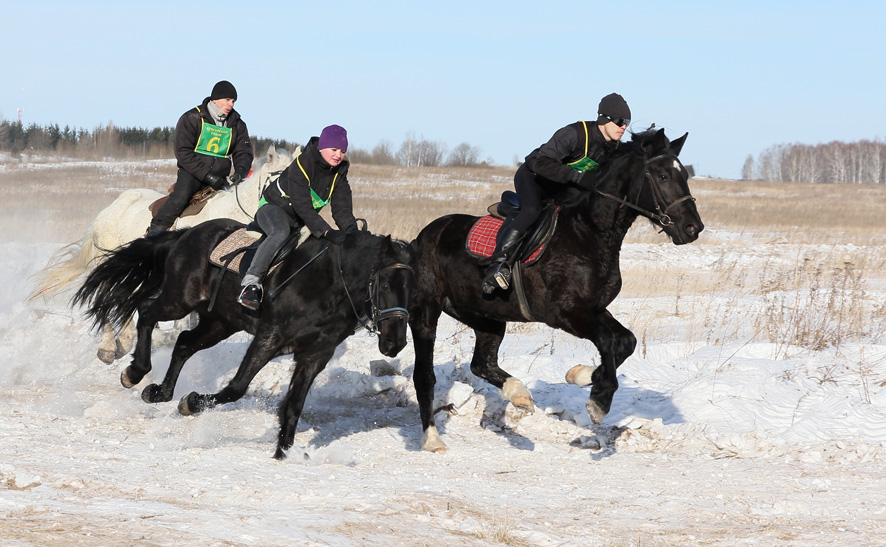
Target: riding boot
[498, 275]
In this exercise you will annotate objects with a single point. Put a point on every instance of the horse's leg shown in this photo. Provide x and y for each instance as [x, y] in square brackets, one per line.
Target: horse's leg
[107, 345]
[264, 347]
[484, 363]
[615, 344]
[423, 323]
[125, 339]
[141, 358]
[205, 334]
[306, 370]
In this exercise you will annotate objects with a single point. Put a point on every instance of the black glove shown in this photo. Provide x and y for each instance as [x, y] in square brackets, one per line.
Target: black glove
[588, 180]
[335, 236]
[351, 229]
[235, 178]
[215, 181]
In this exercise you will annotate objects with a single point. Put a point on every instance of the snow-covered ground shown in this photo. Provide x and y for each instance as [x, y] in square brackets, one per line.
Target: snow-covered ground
[737, 444]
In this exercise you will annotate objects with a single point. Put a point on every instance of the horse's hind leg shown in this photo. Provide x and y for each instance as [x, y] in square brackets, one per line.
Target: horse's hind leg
[484, 363]
[125, 339]
[306, 370]
[141, 358]
[205, 334]
[107, 345]
[264, 347]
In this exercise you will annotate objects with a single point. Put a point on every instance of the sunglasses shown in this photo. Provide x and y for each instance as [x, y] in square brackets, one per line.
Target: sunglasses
[621, 122]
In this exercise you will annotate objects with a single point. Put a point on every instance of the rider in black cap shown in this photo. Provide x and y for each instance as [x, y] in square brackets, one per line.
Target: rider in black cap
[574, 149]
[212, 148]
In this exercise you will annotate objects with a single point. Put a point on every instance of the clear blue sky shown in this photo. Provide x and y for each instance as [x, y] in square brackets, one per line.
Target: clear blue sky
[500, 75]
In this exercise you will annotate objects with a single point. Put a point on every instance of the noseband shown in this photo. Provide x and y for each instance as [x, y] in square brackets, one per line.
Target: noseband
[378, 315]
[388, 313]
[659, 215]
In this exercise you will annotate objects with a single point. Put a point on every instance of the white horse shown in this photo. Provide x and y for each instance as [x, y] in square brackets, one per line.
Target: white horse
[128, 217]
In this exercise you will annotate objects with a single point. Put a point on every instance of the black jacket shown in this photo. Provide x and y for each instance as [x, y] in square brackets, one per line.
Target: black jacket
[566, 146]
[297, 189]
[187, 132]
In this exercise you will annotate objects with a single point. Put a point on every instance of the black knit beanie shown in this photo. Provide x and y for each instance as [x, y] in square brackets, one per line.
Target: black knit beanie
[223, 90]
[613, 106]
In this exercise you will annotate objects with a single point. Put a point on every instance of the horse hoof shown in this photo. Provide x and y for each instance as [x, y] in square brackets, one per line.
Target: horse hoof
[580, 375]
[514, 391]
[280, 454]
[595, 412]
[431, 441]
[106, 356]
[524, 403]
[126, 380]
[190, 404]
[153, 394]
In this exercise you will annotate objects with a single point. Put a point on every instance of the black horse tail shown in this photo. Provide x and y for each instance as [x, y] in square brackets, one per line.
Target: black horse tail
[127, 276]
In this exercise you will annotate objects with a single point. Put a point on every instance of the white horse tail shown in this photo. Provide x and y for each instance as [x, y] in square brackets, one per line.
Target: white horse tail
[76, 259]
[66, 265]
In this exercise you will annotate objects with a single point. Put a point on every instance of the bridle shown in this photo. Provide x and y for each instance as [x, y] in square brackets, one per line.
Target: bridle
[377, 315]
[659, 215]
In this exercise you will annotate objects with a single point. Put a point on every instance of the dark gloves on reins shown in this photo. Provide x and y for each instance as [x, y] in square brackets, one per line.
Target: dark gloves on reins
[215, 181]
[335, 236]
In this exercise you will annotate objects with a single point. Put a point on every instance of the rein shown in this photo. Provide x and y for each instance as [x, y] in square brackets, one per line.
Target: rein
[377, 315]
[260, 188]
[659, 216]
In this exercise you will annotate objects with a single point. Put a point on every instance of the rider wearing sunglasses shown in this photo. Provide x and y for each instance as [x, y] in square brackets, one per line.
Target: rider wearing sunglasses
[574, 149]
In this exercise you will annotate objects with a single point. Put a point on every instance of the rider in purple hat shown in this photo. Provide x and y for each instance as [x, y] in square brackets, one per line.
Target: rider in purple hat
[317, 177]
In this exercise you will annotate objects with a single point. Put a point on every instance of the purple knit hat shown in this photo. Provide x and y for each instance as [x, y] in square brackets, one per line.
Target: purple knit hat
[333, 136]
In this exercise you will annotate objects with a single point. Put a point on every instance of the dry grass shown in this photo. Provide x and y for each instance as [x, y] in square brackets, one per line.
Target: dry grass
[832, 235]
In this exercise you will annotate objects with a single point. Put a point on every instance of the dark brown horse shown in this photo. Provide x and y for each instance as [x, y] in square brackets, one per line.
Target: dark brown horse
[570, 286]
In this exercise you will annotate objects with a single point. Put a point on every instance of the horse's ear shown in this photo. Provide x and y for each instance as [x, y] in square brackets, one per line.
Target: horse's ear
[272, 152]
[677, 144]
[386, 244]
[658, 142]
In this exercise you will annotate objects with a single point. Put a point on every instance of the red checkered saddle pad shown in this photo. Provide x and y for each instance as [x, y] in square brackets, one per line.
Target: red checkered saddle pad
[481, 239]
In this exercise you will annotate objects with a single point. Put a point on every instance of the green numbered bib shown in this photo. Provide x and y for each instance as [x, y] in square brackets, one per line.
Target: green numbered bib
[585, 163]
[214, 140]
[316, 202]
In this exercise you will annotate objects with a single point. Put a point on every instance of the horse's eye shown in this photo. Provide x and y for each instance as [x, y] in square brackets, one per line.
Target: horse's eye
[386, 286]
[663, 177]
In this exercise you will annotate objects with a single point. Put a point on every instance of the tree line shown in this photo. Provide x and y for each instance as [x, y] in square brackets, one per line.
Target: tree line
[862, 162]
[139, 142]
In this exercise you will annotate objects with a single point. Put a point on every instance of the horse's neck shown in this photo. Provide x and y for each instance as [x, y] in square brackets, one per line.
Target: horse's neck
[239, 203]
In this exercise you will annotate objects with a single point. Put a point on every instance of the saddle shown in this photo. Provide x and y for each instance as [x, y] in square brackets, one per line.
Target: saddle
[482, 236]
[194, 206]
[235, 252]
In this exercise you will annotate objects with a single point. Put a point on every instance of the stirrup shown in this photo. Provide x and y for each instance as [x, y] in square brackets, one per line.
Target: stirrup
[498, 276]
[250, 297]
[502, 275]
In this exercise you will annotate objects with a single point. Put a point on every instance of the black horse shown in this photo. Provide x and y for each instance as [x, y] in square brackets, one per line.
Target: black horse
[569, 287]
[368, 280]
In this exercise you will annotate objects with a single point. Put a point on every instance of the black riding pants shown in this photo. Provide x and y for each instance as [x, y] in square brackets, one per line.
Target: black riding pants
[530, 195]
[186, 185]
[276, 224]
